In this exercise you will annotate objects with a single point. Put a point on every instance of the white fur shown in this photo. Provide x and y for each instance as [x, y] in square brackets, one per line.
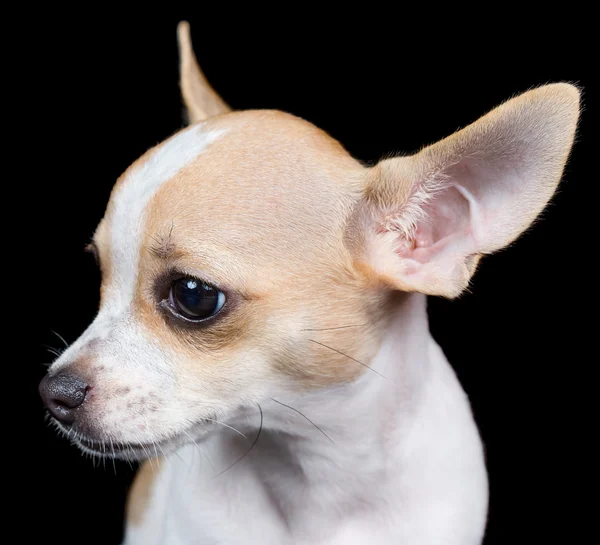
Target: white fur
[406, 219]
[396, 457]
[130, 361]
[409, 468]
[131, 202]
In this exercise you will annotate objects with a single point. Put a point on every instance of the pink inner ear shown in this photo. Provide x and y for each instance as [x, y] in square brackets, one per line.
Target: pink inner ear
[446, 221]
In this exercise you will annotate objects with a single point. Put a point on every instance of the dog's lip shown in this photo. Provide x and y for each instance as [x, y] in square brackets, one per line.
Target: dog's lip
[130, 451]
[110, 447]
[127, 451]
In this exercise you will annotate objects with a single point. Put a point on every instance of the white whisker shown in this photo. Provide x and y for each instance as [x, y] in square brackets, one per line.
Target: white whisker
[61, 338]
[227, 426]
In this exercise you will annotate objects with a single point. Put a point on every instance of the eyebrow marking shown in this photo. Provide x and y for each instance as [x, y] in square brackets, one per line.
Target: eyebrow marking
[163, 246]
[130, 205]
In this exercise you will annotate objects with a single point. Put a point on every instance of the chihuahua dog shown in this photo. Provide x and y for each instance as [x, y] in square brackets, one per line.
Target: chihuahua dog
[262, 339]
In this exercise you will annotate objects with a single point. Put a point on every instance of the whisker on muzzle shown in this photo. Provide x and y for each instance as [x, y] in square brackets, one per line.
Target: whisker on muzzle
[201, 450]
[61, 338]
[227, 426]
[207, 419]
[52, 350]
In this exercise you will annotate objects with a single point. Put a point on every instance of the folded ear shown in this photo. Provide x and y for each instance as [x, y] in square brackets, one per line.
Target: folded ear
[425, 220]
[200, 98]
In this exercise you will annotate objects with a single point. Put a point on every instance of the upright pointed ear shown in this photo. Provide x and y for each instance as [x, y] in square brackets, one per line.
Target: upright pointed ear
[425, 220]
[200, 98]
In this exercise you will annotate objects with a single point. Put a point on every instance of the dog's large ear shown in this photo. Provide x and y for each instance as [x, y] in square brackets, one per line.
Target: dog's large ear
[425, 220]
[200, 98]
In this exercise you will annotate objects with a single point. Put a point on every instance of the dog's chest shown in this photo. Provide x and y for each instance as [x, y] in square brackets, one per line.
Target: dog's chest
[244, 506]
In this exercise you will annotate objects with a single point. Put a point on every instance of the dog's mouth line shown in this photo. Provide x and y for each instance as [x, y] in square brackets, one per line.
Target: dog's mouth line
[117, 449]
[109, 448]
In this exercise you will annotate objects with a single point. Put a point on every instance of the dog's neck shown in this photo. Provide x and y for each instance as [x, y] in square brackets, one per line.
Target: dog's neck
[344, 443]
[383, 448]
[396, 375]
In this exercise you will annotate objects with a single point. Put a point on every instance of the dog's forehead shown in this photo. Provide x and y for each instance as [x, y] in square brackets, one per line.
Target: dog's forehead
[262, 186]
[269, 188]
[266, 174]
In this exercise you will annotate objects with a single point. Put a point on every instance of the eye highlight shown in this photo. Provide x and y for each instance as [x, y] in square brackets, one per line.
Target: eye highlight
[195, 300]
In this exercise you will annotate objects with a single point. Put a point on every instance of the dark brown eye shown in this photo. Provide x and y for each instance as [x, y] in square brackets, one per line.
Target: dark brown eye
[195, 300]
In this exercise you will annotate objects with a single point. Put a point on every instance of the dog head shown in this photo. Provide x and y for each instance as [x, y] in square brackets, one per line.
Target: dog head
[239, 256]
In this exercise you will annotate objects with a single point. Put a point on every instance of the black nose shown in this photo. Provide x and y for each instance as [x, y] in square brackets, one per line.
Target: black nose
[62, 394]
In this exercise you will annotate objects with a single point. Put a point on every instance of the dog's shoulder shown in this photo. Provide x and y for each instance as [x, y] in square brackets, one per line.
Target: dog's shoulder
[140, 494]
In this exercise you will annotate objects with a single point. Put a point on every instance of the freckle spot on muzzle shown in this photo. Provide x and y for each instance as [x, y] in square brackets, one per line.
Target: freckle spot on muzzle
[93, 344]
[122, 391]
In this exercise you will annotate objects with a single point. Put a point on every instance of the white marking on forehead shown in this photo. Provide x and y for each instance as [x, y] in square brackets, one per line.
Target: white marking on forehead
[131, 201]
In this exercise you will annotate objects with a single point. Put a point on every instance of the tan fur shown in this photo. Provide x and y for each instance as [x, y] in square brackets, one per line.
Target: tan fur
[141, 491]
[199, 96]
[270, 269]
[532, 133]
[548, 114]
[282, 261]
[277, 215]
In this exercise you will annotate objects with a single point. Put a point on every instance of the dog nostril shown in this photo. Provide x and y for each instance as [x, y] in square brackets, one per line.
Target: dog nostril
[62, 394]
[61, 405]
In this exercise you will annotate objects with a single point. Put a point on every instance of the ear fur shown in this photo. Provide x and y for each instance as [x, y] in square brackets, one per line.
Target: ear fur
[200, 98]
[427, 219]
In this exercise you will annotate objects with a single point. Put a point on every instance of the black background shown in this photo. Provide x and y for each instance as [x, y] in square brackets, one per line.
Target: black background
[100, 88]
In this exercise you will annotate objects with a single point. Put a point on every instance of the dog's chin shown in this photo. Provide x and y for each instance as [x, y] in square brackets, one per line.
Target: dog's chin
[133, 451]
[127, 451]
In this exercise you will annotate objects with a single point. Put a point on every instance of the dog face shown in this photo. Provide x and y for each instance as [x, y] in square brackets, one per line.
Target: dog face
[206, 302]
[250, 255]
